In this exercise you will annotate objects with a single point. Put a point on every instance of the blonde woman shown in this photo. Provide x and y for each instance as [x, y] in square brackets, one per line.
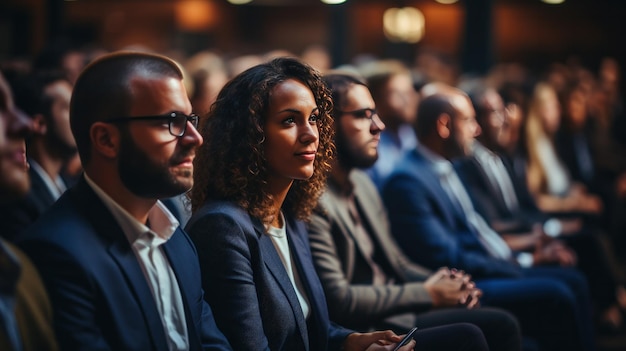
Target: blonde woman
[547, 177]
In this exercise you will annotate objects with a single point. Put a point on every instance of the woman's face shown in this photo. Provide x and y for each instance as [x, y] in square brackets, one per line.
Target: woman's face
[291, 133]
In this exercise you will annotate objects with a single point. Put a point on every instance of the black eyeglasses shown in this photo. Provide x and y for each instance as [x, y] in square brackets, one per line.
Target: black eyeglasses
[177, 121]
[365, 113]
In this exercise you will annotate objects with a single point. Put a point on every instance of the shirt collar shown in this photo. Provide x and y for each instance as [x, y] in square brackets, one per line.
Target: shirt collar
[438, 164]
[163, 224]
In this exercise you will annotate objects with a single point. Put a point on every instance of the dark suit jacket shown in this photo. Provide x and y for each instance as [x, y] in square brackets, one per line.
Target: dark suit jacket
[431, 229]
[100, 297]
[347, 276]
[489, 202]
[248, 287]
[17, 216]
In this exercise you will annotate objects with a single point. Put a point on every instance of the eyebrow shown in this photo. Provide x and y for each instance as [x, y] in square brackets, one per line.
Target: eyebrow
[293, 110]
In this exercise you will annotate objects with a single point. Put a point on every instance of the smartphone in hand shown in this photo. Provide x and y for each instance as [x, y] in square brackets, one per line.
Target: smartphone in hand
[406, 339]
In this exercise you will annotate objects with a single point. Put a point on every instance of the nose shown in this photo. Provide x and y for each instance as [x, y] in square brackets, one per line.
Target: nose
[377, 124]
[477, 129]
[308, 133]
[18, 124]
[192, 136]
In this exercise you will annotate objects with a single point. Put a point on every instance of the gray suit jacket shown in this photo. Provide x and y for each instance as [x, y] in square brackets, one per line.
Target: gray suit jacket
[346, 276]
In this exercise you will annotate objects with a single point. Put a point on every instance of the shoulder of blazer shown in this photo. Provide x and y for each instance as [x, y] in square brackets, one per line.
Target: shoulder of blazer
[229, 209]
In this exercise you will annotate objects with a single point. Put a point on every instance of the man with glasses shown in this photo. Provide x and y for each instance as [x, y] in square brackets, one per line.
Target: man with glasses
[121, 273]
[368, 282]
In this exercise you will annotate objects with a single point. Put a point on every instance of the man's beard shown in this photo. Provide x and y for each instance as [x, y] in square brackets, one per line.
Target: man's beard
[350, 158]
[146, 178]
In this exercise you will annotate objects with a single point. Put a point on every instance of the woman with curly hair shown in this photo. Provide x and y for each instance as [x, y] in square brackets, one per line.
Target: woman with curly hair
[259, 174]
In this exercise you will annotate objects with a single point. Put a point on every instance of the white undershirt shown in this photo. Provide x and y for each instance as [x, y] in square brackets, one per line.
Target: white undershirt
[279, 239]
[147, 245]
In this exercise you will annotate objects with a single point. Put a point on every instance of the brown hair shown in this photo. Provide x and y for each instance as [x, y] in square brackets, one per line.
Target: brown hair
[231, 164]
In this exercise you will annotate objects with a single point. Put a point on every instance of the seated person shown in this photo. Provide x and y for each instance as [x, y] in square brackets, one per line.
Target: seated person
[368, 281]
[121, 273]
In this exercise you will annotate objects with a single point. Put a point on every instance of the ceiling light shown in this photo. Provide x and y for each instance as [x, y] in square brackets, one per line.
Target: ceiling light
[239, 2]
[333, 2]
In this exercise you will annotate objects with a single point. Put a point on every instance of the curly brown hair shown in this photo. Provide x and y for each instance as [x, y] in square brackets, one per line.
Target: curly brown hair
[231, 164]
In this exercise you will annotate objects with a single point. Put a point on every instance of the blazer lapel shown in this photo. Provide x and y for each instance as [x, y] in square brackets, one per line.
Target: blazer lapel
[275, 266]
[423, 171]
[303, 261]
[121, 251]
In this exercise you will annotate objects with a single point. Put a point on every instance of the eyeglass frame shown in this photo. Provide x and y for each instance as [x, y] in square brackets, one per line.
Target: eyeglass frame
[372, 112]
[170, 117]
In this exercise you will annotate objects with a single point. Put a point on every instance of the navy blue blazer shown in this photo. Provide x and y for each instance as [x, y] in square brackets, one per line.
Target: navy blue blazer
[16, 216]
[248, 288]
[99, 294]
[433, 230]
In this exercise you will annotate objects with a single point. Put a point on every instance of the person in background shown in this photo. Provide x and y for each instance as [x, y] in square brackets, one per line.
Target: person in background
[25, 312]
[548, 179]
[368, 281]
[121, 273]
[392, 88]
[45, 97]
[258, 176]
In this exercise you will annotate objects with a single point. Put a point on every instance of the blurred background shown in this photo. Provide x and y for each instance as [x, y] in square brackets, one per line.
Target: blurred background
[469, 35]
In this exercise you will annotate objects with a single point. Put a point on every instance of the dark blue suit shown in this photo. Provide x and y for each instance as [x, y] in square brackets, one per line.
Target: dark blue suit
[434, 231]
[100, 297]
[248, 287]
[17, 216]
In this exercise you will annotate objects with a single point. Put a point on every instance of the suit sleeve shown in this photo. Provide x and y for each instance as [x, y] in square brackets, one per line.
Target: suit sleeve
[227, 280]
[419, 229]
[350, 303]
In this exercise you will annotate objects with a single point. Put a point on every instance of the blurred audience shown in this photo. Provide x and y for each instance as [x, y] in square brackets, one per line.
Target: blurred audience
[45, 98]
[25, 312]
[436, 225]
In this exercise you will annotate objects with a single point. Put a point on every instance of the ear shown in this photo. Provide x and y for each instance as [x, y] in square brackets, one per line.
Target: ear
[40, 126]
[444, 126]
[105, 139]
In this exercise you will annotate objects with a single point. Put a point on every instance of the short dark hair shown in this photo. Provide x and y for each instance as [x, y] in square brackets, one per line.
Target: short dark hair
[103, 91]
[339, 84]
[29, 91]
[231, 164]
[428, 112]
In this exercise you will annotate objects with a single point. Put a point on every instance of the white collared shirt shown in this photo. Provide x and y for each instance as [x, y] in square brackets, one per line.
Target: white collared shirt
[147, 245]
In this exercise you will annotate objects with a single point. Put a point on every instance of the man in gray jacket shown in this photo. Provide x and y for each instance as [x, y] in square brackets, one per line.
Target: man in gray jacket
[367, 280]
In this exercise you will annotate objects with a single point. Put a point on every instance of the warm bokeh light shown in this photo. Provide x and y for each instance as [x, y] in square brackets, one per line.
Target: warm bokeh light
[194, 15]
[403, 24]
[553, 2]
[239, 2]
[333, 2]
[447, 2]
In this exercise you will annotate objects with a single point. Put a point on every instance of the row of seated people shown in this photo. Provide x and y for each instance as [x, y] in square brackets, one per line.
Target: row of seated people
[119, 271]
[259, 275]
